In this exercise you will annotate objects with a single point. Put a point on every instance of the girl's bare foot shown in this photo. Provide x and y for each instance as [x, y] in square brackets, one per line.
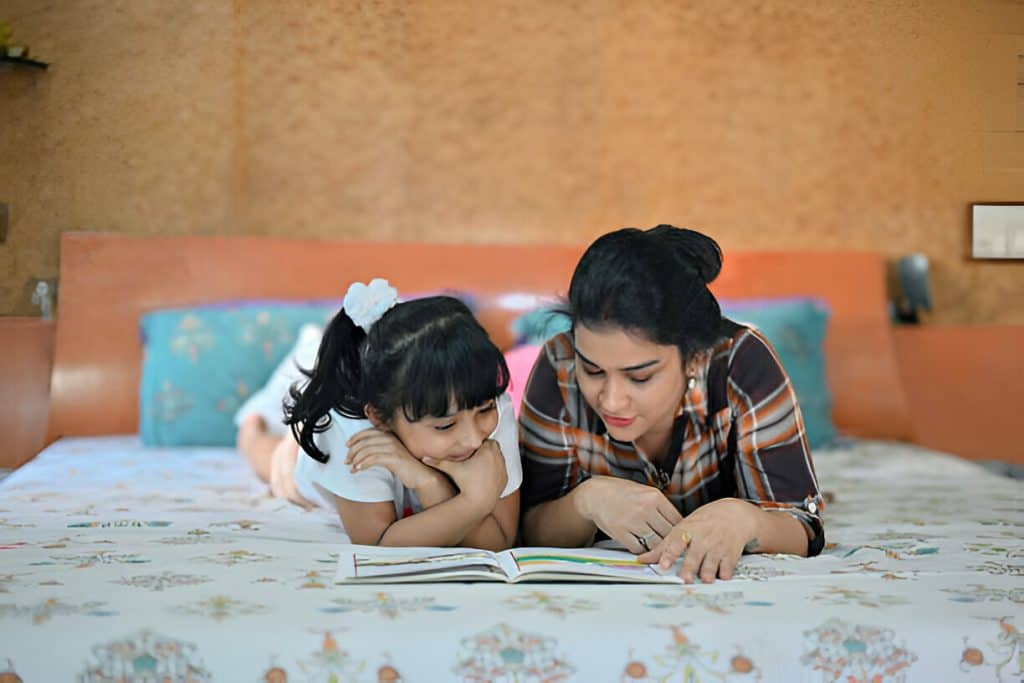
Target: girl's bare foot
[257, 444]
[249, 432]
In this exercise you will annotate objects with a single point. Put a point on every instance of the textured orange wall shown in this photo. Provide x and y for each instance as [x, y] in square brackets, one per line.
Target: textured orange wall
[777, 123]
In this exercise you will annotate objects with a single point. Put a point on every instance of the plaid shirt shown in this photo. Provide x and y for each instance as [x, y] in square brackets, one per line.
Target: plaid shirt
[738, 428]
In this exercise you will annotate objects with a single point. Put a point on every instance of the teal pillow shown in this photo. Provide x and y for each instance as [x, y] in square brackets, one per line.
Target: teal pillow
[536, 326]
[794, 326]
[199, 365]
[796, 329]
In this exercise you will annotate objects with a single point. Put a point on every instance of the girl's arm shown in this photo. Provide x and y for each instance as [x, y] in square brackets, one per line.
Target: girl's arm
[465, 510]
[497, 531]
[444, 524]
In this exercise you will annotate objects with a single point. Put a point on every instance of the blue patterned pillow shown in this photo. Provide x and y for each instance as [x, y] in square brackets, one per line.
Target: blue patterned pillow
[795, 327]
[199, 365]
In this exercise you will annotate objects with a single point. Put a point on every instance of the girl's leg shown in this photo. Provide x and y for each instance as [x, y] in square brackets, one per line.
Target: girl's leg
[273, 458]
[257, 444]
[282, 472]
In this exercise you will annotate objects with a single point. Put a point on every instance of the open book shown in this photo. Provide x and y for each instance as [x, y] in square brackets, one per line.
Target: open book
[372, 564]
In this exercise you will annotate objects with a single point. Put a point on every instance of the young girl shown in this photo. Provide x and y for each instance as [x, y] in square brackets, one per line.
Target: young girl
[404, 426]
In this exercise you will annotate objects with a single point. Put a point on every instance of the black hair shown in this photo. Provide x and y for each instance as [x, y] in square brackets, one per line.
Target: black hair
[419, 357]
[653, 282]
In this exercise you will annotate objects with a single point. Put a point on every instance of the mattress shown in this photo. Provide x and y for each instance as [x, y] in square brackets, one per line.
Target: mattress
[122, 563]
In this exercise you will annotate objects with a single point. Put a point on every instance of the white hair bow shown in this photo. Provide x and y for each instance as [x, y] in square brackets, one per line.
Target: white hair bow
[365, 304]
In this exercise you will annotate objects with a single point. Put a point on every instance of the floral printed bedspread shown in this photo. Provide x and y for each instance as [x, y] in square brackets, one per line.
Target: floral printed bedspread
[119, 563]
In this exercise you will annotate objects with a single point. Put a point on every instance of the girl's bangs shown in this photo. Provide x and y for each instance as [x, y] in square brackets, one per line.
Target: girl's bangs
[466, 373]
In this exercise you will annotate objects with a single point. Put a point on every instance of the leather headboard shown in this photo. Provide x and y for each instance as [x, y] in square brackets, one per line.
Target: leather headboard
[108, 281]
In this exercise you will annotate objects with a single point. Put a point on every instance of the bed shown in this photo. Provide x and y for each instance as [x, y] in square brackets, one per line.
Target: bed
[125, 563]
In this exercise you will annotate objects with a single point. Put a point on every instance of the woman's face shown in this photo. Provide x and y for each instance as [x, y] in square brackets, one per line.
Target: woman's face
[455, 436]
[634, 384]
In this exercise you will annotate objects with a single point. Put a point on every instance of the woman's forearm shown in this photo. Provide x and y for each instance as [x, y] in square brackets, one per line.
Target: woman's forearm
[561, 522]
[778, 532]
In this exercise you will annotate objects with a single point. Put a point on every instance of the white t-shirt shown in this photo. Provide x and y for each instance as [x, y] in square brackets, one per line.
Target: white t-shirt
[323, 481]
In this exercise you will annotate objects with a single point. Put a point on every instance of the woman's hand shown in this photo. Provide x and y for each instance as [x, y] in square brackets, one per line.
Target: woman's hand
[374, 447]
[481, 477]
[713, 537]
[282, 473]
[633, 514]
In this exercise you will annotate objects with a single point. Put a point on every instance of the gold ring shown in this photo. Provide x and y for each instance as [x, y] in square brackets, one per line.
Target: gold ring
[686, 536]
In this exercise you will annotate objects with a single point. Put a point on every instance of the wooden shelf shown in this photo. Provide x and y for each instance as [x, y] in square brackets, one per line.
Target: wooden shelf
[9, 62]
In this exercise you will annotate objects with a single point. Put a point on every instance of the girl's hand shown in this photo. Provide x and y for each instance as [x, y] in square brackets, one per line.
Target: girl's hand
[636, 515]
[481, 477]
[713, 537]
[374, 447]
[282, 473]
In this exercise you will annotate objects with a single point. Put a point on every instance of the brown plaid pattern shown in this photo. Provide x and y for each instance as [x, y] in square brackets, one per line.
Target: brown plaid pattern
[743, 435]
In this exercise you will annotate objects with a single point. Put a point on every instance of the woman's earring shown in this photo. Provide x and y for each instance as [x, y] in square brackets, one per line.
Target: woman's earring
[691, 382]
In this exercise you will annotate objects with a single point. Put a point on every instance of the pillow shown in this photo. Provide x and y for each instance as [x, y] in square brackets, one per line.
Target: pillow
[539, 324]
[796, 329]
[267, 402]
[200, 364]
[794, 326]
[520, 362]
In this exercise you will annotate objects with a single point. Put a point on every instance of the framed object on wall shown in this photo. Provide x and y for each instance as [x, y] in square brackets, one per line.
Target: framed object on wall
[997, 230]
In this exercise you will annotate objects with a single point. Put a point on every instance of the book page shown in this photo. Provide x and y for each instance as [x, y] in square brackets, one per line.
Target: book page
[359, 563]
[578, 564]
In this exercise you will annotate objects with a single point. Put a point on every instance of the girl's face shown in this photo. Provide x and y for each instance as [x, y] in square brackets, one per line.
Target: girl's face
[634, 384]
[455, 436]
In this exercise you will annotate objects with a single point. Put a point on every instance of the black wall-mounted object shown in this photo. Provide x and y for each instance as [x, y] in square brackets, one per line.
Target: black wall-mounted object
[11, 62]
[911, 291]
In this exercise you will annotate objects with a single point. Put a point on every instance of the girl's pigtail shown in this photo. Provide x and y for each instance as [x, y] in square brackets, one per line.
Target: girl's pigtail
[334, 384]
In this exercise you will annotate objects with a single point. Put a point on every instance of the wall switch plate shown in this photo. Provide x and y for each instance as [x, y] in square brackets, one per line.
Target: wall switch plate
[42, 292]
[3, 222]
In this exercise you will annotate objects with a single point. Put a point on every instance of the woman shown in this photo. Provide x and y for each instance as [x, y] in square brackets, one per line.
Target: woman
[660, 424]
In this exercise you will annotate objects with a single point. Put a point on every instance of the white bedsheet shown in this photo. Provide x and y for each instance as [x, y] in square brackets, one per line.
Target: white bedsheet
[122, 563]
